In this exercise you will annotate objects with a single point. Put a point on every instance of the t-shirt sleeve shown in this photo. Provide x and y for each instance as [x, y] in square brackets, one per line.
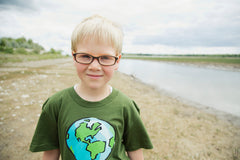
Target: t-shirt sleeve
[135, 135]
[46, 133]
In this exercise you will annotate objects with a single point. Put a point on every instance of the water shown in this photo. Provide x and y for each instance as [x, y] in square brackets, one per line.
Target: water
[215, 88]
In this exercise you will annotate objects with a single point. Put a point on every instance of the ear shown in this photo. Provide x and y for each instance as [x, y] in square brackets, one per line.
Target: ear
[72, 54]
[74, 62]
[118, 61]
[119, 57]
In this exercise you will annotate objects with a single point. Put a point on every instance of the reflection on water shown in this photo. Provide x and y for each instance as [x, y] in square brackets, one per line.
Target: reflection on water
[210, 87]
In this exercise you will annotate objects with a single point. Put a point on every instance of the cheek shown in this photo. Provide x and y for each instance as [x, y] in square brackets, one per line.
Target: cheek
[79, 68]
[109, 72]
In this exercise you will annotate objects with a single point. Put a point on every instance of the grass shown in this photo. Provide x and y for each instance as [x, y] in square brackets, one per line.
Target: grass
[6, 58]
[193, 59]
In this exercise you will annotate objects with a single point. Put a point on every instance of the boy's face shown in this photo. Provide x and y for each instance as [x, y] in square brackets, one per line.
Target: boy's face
[95, 75]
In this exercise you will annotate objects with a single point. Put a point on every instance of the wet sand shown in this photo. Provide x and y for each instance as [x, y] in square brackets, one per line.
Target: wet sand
[179, 130]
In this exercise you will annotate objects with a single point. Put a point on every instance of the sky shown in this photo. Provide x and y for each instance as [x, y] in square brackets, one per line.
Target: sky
[150, 26]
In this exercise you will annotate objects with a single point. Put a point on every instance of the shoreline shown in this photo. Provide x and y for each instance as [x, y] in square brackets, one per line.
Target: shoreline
[233, 119]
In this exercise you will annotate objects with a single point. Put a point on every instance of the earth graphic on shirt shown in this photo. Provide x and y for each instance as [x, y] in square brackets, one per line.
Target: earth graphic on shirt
[90, 139]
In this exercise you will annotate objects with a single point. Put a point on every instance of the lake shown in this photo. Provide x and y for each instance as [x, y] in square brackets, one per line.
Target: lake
[214, 88]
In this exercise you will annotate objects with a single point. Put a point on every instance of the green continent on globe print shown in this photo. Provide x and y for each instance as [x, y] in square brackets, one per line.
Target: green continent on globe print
[90, 139]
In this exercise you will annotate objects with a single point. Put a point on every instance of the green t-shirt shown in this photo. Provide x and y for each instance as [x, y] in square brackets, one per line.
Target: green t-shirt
[85, 130]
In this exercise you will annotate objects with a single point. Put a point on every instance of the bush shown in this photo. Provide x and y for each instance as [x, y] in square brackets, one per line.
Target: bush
[9, 50]
[6, 49]
[53, 51]
[21, 51]
[36, 51]
[23, 46]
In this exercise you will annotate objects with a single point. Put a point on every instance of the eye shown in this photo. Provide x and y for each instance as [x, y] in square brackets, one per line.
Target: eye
[85, 56]
[106, 57]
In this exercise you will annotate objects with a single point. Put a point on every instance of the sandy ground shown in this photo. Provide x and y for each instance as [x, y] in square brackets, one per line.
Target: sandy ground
[178, 130]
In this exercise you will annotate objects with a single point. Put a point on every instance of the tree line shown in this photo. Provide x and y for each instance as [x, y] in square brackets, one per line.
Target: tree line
[23, 46]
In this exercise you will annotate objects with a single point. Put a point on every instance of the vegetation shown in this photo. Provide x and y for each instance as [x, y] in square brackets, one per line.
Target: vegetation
[21, 49]
[22, 46]
[216, 59]
[5, 58]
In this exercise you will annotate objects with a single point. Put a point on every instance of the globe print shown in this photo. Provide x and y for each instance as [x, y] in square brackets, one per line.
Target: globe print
[90, 139]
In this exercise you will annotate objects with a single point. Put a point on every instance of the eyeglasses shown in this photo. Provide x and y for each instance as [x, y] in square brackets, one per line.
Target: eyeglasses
[105, 60]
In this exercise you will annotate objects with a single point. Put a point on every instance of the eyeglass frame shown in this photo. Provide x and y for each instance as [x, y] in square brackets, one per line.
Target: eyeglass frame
[93, 57]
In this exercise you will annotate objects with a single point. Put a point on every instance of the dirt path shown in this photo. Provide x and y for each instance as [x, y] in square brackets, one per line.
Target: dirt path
[178, 131]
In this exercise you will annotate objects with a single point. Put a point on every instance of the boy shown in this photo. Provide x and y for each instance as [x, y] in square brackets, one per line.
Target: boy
[92, 120]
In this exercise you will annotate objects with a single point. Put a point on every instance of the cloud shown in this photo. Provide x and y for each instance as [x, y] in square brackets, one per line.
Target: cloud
[200, 36]
[214, 24]
[26, 4]
[153, 25]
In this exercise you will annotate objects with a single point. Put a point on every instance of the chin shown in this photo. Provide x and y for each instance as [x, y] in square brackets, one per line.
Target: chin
[96, 86]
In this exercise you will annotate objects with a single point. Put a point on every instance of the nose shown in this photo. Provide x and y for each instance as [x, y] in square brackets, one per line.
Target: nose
[95, 65]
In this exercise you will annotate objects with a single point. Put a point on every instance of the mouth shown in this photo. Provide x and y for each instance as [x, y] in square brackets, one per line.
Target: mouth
[94, 76]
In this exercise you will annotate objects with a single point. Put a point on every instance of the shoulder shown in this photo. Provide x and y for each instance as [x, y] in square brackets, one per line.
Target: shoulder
[126, 102]
[61, 94]
[122, 97]
[56, 99]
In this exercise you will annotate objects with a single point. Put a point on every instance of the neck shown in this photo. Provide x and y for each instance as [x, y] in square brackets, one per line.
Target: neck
[92, 94]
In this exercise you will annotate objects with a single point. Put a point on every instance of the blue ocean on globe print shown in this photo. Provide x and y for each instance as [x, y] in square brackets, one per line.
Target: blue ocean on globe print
[90, 139]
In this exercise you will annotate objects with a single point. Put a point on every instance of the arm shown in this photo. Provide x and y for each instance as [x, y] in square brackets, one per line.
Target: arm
[136, 155]
[51, 154]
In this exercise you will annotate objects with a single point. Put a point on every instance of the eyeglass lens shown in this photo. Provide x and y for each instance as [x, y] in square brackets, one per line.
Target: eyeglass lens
[87, 59]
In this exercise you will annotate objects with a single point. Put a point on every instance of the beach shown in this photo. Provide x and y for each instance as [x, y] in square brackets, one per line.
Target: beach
[178, 130]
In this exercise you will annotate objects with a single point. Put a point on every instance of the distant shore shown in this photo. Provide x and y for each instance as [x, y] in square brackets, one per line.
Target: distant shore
[225, 62]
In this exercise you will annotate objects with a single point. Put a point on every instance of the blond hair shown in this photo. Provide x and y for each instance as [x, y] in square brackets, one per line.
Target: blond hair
[99, 29]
